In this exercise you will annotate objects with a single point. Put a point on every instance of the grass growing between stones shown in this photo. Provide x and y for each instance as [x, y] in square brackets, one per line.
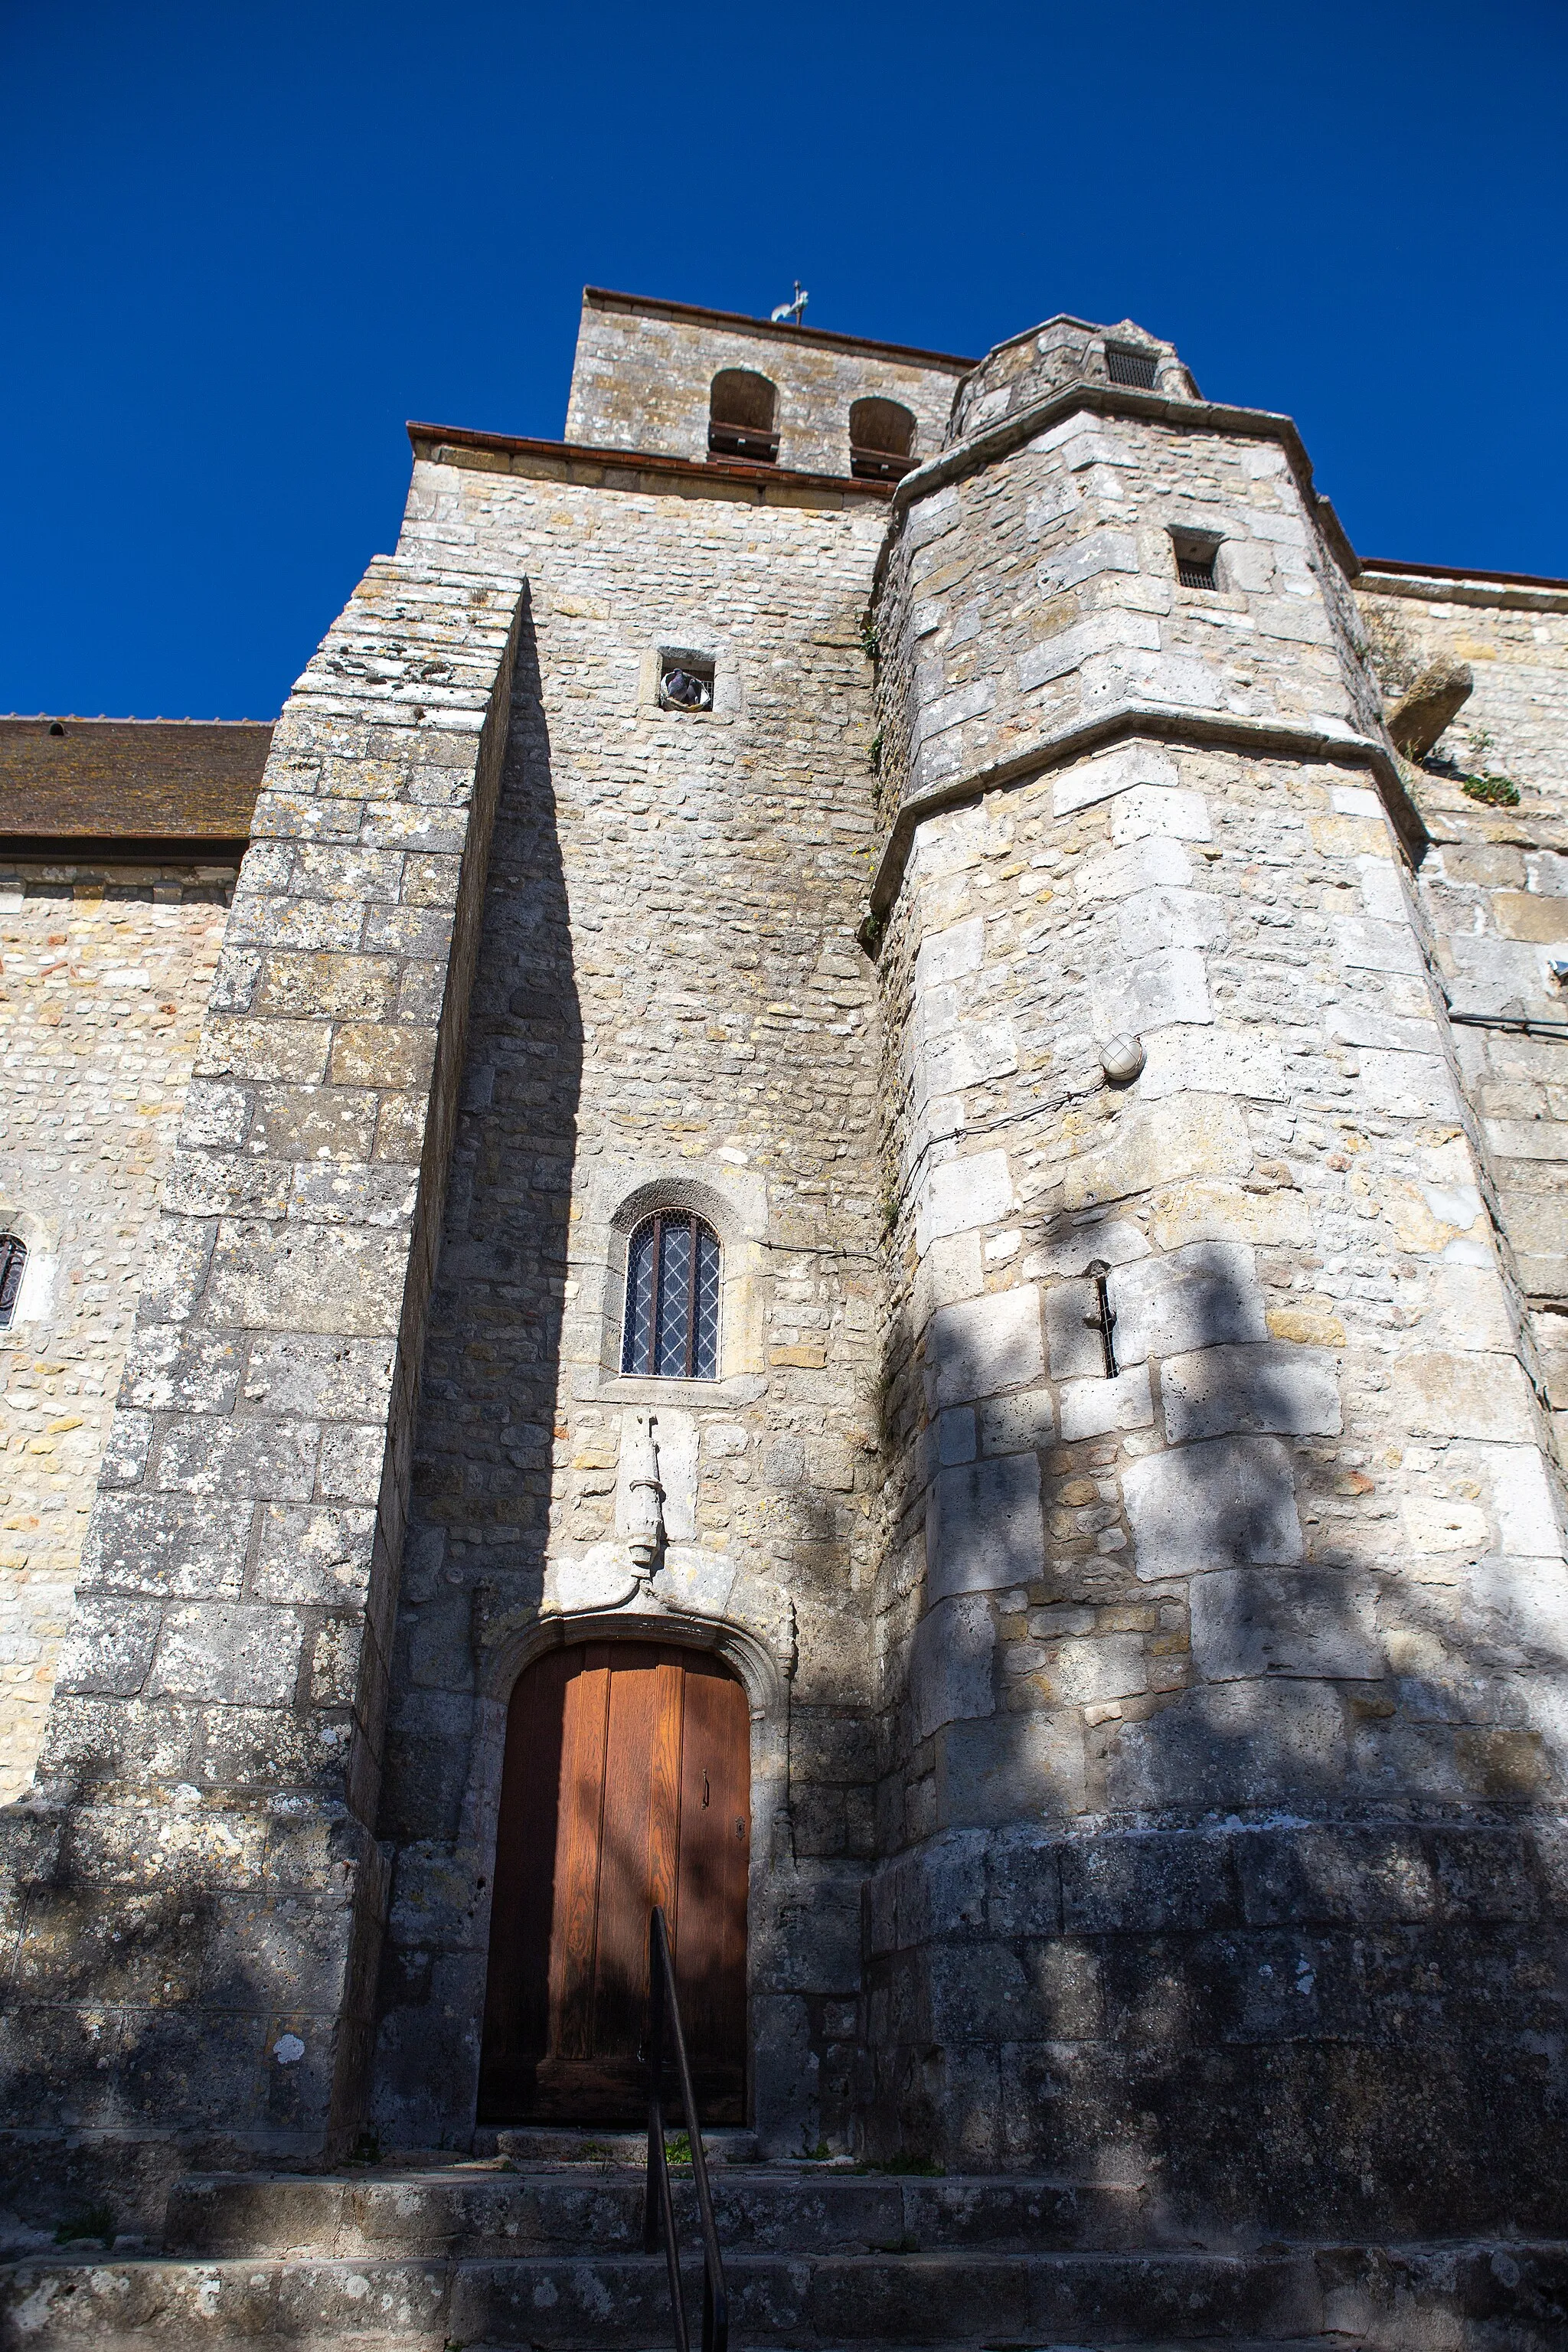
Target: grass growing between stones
[91, 2221]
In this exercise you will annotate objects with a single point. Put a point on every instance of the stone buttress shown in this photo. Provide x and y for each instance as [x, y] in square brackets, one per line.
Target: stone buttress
[194, 1888]
[1223, 1632]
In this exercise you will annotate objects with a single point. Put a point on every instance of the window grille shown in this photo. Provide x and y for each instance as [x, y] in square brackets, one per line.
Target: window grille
[1124, 366]
[1196, 571]
[13, 1264]
[672, 1298]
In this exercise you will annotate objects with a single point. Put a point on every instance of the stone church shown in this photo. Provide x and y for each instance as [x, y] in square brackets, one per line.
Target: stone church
[832, 1194]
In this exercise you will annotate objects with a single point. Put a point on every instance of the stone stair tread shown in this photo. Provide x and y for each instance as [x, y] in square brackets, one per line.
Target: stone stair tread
[1513, 2298]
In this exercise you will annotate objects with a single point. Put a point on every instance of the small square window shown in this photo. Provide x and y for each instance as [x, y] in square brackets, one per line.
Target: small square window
[1196, 560]
[685, 681]
[1124, 365]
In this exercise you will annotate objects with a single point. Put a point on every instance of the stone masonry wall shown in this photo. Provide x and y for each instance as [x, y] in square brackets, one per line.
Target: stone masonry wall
[193, 1895]
[1300, 1555]
[670, 1005]
[1494, 891]
[642, 380]
[1041, 595]
[1295, 1556]
[104, 973]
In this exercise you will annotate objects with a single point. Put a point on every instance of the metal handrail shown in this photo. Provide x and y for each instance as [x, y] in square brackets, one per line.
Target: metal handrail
[664, 2016]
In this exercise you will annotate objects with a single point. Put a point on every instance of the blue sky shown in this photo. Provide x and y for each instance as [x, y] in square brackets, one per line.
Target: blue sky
[243, 243]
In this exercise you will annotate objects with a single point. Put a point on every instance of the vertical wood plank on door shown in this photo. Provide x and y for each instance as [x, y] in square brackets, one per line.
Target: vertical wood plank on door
[664, 1773]
[715, 1853]
[620, 1988]
[517, 1988]
[574, 1929]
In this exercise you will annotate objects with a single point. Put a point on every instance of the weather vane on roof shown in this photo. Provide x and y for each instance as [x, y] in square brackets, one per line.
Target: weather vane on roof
[796, 310]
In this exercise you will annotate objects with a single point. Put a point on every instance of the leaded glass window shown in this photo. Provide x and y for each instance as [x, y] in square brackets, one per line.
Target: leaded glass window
[672, 1298]
[13, 1266]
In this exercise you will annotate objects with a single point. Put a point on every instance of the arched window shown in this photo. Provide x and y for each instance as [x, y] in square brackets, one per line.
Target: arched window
[742, 417]
[672, 1298]
[13, 1266]
[881, 440]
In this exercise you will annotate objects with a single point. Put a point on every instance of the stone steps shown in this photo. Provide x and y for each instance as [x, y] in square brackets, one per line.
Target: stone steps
[548, 2254]
[1409, 2299]
[462, 2211]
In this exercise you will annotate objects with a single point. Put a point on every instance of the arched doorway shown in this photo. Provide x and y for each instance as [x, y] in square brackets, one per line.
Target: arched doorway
[627, 1782]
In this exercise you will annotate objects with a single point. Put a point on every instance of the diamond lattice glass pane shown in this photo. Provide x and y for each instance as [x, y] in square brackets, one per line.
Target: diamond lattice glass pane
[706, 1350]
[637, 1348]
[12, 1259]
[674, 1298]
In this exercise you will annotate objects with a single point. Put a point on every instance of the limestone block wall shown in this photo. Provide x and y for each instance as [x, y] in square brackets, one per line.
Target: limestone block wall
[670, 1007]
[1494, 892]
[1047, 359]
[1293, 1555]
[104, 973]
[193, 1895]
[1039, 596]
[644, 371]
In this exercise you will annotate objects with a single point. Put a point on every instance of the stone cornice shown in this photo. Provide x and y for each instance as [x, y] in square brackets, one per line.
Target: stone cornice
[1499, 590]
[1001, 440]
[1259, 737]
[605, 297]
[583, 463]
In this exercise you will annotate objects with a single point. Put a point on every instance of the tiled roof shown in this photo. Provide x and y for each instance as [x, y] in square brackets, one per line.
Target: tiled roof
[105, 781]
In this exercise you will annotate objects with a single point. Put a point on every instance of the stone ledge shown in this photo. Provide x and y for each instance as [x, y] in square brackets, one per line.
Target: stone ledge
[1118, 400]
[591, 468]
[1160, 722]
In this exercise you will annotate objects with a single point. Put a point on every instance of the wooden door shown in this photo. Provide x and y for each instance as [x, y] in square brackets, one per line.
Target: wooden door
[627, 1783]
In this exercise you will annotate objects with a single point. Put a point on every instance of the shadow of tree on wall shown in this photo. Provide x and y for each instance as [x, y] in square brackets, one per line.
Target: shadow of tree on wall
[1202, 1891]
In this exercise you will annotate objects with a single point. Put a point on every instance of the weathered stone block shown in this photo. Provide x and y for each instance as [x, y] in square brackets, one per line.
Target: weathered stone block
[962, 1195]
[1091, 1408]
[110, 1646]
[984, 1529]
[1232, 1744]
[168, 1368]
[1010, 1768]
[1109, 1665]
[246, 1655]
[1204, 1506]
[1441, 1396]
[1247, 1623]
[1148, 1884]
[1199, 1297]
[274, 1460]
[149, 1543]
[1265, 1386]
[1073, 1333]
[313, 1555]
[309, 1278]
[951, 1663]
[981, 1345]
[1190, 1135]
[1017, 1424]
